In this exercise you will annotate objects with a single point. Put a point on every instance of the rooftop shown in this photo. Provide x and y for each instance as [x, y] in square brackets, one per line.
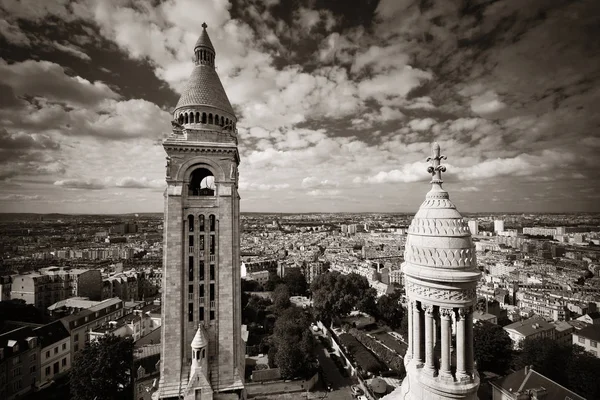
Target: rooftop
[528, 379]
[591, 332]
[529, 326]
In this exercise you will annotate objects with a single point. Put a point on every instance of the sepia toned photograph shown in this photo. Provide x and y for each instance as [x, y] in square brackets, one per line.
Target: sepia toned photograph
[299, 199]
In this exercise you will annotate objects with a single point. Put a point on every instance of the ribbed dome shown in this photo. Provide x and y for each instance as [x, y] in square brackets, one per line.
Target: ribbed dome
[438, 243]
[204, 88]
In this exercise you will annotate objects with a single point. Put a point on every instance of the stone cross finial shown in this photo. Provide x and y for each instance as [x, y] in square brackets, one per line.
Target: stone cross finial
[204, 25]
[436, 169]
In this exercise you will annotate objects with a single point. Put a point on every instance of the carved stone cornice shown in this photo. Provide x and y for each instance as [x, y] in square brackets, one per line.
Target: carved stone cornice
[441, 294]
[436, 257]
[439, 227]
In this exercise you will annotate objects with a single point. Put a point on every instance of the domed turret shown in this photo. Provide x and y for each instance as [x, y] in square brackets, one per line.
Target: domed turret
[203, 103]
[440, 275]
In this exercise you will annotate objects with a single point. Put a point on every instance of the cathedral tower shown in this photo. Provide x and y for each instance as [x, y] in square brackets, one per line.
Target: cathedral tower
[441, 275]
[202, 347]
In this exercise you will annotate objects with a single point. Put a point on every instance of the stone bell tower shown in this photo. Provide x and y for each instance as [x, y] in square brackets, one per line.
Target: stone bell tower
[441, 275]
[202, 348]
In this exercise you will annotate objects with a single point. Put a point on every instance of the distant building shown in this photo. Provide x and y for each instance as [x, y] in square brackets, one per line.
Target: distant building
[527, 384]
[262, 277]
[146, 369]
[124, 229]
[531, 328]
[313, 270]
[50, 285]
[484, 317]
[588, 338]
[498, 226]
[591, 318]
[474, 227]
[396, 276]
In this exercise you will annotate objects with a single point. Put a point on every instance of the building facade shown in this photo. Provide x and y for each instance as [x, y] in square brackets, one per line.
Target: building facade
[55, 351]
[202, 276]
[588, 338]
[441, 276]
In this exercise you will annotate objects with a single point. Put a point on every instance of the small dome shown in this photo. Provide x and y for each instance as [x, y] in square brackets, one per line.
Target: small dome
[438, 243]
[200, 340]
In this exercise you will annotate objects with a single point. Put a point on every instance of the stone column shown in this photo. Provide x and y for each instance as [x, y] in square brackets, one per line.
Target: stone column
[461, 367]
[416, 334]
[469, 338]
[446, 339]
[429, 339]
[409, 315]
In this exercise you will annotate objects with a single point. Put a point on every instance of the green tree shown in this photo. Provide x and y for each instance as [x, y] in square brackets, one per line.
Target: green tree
[296, 282]
[582, 374]
[335, 295]
[390, 310]
[102, 370]
[273, 281]
[492, 347]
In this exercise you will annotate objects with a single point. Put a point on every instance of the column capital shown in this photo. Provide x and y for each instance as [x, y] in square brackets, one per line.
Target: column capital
[414, 305]
[461, 313]
[446, 313]
[429, 309]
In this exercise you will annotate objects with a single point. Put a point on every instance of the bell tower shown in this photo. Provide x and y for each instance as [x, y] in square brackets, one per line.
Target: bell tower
[202, 347]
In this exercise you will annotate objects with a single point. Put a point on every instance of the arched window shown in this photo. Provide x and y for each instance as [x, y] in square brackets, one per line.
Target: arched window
[197, 117]
[191, 118]
[186, 118]
[181, 118]
[203, 118]
[211, 222]
[202, 183]
[210, 119]
[216, 119]
[191, 222]
[222, 121]
[201, 223]
[227, 122]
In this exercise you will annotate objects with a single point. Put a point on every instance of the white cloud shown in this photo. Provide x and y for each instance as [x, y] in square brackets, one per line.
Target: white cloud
[139, 183]
[412, 172]
[72, 50]
[312, 182]
[487, 103]
[421, 124]
[13, 34]
[89, 184]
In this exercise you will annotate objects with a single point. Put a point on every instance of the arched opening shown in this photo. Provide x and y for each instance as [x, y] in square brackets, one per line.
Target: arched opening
[186, 118]
[191, 222]
[180, 118]
[222, 121]
[210, 119]
[191, 118]
[201, 223]
[227, 122]
[216, 119]
[202, 183]
[211, 222]
[203, 118]
[197, 117]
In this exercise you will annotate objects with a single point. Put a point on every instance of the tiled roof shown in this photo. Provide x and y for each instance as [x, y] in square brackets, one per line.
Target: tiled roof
[204, 88]
[591, 332]
[530, 326]
[523, 380]
[51, 333]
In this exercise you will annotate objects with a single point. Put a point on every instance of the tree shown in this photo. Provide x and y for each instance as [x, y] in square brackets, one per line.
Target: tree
[292, 348]
[547, 357]
[390, 310]
[492, 347]
[582, 374]
[335, 295]
[273, 281]
[281, 299]
[296, 282]
[102, 370]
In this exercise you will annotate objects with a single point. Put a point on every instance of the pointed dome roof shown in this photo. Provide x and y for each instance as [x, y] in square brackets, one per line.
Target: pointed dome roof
[204, 40]
[438, 243]
[204, 87]
[200, 340]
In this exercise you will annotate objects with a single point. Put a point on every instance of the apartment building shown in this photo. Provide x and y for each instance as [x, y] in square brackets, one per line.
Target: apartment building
[19, 362]
[588, 338]
[545, 306]
[55, 351]
[52, 284]
[81, 323]
[531, 328]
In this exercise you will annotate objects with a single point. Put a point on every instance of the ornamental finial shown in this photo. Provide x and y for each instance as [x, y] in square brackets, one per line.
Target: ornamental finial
[436, 169]
[204, 25]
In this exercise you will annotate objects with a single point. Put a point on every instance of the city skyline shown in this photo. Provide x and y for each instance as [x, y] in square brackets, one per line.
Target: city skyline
[355, 96]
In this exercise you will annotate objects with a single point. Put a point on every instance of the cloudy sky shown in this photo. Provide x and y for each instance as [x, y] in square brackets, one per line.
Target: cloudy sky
[337, 101]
